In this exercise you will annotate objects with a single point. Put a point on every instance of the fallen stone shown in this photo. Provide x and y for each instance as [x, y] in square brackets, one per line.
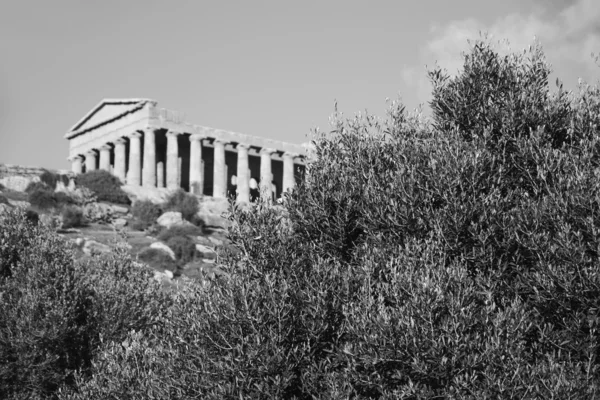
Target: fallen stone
[214, 220]
[92, 247]
[119, 223]
[203, 240]
[215, 241]
[163, 247]
[169, 219]
[18, 183]
[206, 252]
[119, 209]
[162, 276]
[68, 230]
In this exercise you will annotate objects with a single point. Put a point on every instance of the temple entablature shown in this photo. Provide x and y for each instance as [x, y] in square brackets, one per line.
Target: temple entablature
[155, 147]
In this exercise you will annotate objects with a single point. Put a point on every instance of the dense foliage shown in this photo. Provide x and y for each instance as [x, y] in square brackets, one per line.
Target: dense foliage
[455, 259]
[56, 315]
[183, 202]
[72, 217]
[145, 214]
[105, 186]
[51, 178]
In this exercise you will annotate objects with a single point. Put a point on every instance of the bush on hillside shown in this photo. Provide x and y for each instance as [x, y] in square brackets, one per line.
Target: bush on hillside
[42, 197]
[38, 185]
[72, 217]
[105, 186]
[183, 202]
[4, 200]
[183, 247]
[157, 259]
[2, 187]
[51, 178]
[64, 199]
[179, 230]
[32, 217]
[145, 214]
[56, 315]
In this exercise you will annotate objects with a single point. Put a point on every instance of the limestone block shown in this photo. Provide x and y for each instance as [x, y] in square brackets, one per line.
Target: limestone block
[163, 247]
[119, 209]
[18, 183]
[170, 218]
[119, 223]
[206, 251]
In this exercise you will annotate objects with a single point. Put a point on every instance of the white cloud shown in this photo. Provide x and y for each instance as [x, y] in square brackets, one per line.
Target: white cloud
[569, 32]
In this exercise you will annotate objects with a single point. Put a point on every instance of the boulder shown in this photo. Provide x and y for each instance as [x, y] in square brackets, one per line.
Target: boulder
[119, 209]
[169, 219]
[215, 241]
[119, 223]
[92, 247]
[163, 247]
[161, 276]
[206, 252]
[18, 183]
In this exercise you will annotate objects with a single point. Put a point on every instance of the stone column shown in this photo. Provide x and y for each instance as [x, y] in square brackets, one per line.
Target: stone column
[76, 164]
[288, 171]
[160, 174]
[120, 159]
[219, 177]
[135, 159]
[105, 157]
[266, 176]
[172, 160]
[196, 177]
[243, 174]
[90, 161]
[149, 171]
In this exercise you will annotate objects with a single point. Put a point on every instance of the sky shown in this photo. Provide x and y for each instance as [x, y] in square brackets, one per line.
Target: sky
[265, 68]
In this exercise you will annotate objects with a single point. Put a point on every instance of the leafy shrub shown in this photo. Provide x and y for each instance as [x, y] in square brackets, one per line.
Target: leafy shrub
[83, 196]
[72, 217]
[105, 185]
[183, 247]
[157, 259]
[50, 178]
[38, 185]
[183, 202]
[32, 217]
[145, 213]
[63, 199]
[179, 230]
[56, 314]
[4, 200]
[42, 197]
[2, 187]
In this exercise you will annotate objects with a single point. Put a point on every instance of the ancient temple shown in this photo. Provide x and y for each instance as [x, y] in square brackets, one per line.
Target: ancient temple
[154, 147]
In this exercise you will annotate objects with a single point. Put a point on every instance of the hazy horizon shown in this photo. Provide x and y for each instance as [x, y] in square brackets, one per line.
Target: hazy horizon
[262, 68]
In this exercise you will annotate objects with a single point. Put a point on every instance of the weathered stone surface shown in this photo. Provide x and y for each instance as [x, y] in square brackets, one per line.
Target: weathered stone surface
[206, 252]
[215, 241]
[170, 218]
[119, 209]
[92, 247]
[119, 223]
[155, 195]
[161, 276]
[163, 247]
[18, 183]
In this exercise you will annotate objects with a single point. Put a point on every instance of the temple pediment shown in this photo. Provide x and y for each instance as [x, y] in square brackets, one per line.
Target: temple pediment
[106, 111]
